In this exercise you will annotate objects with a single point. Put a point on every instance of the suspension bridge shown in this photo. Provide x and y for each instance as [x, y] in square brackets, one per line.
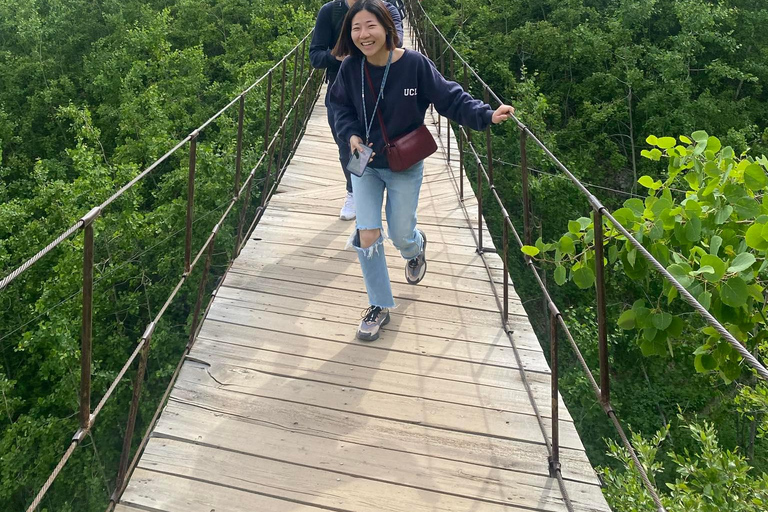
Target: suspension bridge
[275, 406]
[278, 407]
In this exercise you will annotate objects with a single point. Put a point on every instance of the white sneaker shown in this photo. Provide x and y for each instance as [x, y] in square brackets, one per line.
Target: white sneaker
[348, 211]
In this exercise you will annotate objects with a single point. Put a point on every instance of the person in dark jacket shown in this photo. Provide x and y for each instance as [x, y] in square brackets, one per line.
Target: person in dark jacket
[327, 29]
[404, 83]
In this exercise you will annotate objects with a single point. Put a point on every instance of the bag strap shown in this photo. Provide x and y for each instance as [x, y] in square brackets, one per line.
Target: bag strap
[337, 18]
[378, 111]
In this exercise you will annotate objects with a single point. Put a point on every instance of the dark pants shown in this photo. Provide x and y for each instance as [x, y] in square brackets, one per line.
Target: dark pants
[342, 145]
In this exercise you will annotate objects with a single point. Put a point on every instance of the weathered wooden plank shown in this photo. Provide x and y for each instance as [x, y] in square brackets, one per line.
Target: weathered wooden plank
[338, 262]
[340, 321]
[392, 466]
[151, 491]
[348, 271]
[445, 416]
[439, 233]
[362, 367]
[343, 282]
[342, 492]
[338, 242]
[444, 322]
[455, 218]
[385, 433]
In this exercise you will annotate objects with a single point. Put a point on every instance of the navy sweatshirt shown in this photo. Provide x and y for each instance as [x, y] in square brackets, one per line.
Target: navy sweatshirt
[413, 83]
[324, 38]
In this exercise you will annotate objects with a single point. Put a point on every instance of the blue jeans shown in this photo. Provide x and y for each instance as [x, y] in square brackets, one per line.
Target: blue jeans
[402, 200]
[343, 145]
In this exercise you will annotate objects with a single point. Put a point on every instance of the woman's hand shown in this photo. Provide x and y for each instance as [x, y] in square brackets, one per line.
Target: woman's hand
[356, 144]
[502, 113]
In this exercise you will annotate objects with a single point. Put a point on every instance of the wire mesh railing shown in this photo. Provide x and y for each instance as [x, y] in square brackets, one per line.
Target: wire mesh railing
[296, 86]
[432, 42]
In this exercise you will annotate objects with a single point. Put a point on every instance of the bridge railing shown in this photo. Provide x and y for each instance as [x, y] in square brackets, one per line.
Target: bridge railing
[433, 43]
[298, 85]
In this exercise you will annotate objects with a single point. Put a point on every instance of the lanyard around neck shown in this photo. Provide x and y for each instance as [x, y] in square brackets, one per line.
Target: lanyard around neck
[381, 94]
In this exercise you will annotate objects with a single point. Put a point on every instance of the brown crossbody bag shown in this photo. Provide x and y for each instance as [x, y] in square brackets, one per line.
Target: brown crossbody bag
[407, 150]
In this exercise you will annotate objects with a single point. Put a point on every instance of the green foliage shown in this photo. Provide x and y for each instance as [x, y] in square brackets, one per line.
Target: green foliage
[705, 224]
[592, 79]
[707, 479]
[90, 94]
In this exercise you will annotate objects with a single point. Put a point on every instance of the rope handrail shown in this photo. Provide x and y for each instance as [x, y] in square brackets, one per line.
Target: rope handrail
[299, 106]
[80, 223]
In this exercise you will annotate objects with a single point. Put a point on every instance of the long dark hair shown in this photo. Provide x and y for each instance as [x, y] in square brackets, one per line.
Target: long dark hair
[345, 45]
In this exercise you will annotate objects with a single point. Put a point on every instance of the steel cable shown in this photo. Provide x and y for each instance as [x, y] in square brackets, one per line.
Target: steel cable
[646, 481]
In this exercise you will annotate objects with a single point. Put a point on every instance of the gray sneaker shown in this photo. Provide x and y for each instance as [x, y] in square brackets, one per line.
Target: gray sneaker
[417, 267]
[373, 319]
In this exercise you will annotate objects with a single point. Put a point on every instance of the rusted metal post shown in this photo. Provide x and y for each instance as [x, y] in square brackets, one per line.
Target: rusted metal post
[602, 327]
[241, 220]
[301, 80]
[479, 195]
[190, 201]
[506, 269]
[554, 463]
[239, 157]
[488, 148]
[86, 345]
[526, 197]
[133, 412]
[201, 289]
[267, 112]
[283, 125]
[448, 121]
[268, 147]
[442, 72]
[464, 142]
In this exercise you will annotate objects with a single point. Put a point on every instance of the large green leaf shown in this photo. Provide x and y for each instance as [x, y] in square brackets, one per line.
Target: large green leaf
[754, 237]
[723, 214]
[700, 136]
[718, 267]
[560, 275]
[661, 320]
[742, 262]
[734, 292]
[566, 245]
[649, 182]
[666, 142]
[746, 208]
[584, 277]
[627, 320]
[714, 244]
[530, 250]
[704, 363]
[693, 229]
[680, 272]
[754, 177]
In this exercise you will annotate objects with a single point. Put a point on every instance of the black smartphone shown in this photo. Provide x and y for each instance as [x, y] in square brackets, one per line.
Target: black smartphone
[359, 160]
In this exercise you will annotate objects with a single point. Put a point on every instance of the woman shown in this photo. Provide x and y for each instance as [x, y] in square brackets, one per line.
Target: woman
[402, 85]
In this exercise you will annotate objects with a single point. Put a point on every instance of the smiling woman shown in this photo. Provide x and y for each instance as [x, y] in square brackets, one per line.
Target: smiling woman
[368, 30]
[367, 115]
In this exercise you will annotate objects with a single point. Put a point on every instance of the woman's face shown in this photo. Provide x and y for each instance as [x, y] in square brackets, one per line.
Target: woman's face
[368, 34]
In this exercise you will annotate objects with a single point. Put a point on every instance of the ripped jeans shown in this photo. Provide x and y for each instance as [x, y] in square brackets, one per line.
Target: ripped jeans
[402, 200]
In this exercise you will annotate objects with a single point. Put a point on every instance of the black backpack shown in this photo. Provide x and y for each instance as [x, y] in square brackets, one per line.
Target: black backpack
[339, 10]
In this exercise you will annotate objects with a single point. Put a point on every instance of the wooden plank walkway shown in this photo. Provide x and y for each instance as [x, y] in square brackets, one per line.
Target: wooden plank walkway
[279, 408]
